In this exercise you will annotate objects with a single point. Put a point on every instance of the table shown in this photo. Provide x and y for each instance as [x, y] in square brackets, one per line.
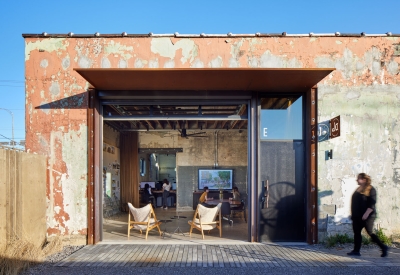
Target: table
[232, 203]
[159, 193]
[217, 201]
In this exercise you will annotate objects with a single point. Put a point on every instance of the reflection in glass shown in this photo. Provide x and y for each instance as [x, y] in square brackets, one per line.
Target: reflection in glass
[281, 118]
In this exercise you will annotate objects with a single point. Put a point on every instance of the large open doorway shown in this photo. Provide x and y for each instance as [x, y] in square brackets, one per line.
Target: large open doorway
[195, 87]
[187, 144]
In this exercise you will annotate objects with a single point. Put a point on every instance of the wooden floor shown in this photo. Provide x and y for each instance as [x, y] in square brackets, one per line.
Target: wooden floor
[249, 255]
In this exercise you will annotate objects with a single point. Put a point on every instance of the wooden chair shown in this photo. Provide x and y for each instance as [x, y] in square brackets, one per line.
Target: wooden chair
[206, 219]
[240, 209]
[143, 219]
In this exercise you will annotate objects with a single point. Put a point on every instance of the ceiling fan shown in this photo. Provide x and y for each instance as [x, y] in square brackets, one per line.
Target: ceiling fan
[185, 135]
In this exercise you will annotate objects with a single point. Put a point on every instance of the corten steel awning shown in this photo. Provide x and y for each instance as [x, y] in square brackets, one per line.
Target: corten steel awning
[223, 79]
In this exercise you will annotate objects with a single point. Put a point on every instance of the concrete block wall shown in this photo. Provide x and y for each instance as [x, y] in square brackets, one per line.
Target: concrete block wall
[22, 196]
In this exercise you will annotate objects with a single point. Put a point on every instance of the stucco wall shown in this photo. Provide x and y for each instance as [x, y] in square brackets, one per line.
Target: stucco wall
[364, 90]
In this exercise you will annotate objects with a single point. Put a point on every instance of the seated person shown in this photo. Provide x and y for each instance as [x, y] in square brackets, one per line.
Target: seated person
[147, 196]
[236, 194]
[204, 197]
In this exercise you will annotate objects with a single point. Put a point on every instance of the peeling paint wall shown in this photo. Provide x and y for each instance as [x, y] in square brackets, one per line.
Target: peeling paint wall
[364, 90]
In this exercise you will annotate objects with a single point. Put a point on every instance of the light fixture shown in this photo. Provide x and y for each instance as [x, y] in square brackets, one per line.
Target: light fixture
[44, 33]
[97, 34]
[70, 34]
[124, 34]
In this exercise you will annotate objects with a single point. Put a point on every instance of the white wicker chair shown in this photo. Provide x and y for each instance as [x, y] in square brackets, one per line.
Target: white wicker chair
[206, 219]
[143, 219]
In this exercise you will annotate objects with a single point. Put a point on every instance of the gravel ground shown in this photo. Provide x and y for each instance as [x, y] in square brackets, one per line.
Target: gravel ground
[46, 266]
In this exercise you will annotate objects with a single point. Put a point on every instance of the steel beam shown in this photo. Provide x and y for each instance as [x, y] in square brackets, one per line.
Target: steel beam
[203, 117]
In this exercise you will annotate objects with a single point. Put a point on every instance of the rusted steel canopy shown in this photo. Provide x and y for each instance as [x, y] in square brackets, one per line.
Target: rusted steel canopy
[225, 79]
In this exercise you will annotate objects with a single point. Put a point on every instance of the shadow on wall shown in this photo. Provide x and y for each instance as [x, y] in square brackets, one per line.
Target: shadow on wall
[322, 194]
[79, 101]
[282, 213]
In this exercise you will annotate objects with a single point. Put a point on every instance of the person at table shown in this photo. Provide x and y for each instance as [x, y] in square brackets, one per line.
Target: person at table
[166, 188]
[148, 197]
[236, 194]
[204, 197]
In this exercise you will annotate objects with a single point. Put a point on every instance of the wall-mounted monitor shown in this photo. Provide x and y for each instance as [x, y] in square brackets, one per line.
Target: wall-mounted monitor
[151, 184]
[216, 179]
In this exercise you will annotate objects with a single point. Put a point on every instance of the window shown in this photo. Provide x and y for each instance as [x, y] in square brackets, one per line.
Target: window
[142, 167]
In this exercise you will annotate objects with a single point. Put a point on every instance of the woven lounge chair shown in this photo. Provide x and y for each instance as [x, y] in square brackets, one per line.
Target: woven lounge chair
[143, 219]
[206, 219]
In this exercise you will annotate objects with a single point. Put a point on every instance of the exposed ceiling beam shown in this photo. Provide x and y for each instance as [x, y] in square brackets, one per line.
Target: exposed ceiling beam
[242, 123]
[240, 112]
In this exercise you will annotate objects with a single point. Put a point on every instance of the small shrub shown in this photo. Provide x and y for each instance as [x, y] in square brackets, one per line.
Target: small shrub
[366, 240]
[333, 240]
[330, 241]
[382, 236]
[344, 238]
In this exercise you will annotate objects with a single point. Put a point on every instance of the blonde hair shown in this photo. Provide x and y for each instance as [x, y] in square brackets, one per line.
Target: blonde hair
[367, 187]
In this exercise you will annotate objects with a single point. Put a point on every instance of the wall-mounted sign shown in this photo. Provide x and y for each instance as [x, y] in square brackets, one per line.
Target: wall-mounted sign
[335, 127]
[329, 129]
[323, 131]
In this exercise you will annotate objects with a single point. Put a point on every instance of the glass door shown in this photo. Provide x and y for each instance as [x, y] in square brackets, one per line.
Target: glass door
[282, 211]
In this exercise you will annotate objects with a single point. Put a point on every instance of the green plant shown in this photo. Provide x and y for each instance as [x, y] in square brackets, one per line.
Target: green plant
[382, 236]
[332, 240]
[366, 240]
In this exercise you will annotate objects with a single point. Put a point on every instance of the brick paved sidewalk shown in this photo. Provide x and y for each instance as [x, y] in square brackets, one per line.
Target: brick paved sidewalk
[205, 255]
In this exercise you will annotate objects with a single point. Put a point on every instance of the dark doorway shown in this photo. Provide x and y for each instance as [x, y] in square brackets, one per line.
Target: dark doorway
[282, 210]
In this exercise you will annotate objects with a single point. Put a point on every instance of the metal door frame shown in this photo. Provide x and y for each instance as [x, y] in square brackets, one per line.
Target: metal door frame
[310, 107]
[95, 151]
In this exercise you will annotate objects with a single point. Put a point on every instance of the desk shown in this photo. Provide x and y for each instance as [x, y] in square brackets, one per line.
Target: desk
[231, 202]
[158, 194]
[211, 194]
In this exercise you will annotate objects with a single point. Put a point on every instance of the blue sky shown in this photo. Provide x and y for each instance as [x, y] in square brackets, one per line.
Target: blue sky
[301, 16]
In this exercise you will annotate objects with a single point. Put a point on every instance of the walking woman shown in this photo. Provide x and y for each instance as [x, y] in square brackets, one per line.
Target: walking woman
[166, 187]
[363, 214]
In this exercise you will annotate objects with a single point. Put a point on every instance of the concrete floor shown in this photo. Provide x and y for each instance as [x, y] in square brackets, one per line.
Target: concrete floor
[115, 230]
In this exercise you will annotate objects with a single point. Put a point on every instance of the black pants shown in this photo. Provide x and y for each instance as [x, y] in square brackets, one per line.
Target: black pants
[358, 225]
[152, 200]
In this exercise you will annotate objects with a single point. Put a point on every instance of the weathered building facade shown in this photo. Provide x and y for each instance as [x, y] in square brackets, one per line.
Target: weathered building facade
[364, 90]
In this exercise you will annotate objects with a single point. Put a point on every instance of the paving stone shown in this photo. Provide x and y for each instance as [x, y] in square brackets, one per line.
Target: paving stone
[203, 255]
